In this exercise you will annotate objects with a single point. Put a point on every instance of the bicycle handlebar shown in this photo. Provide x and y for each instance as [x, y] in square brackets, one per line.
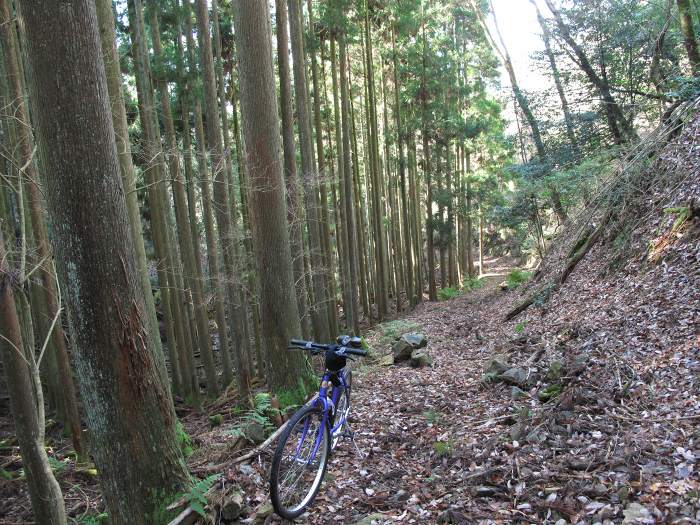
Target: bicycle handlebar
[310, 345]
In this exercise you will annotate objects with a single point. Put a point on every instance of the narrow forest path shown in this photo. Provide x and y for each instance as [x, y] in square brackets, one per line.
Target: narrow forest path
[422, 432]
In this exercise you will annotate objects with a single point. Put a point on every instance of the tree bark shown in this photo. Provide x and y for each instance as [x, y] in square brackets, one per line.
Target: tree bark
[234, 294]
[295, 211]
[400, 139]
[44, 491]
[25, 141]
[154, 171]
[347, 184]
[331, 292]
[310, 176]
[128, 408]
[377, 190]
[527, 111]
[192, 279]
[432, 287]
[568, 120]
[621, 128]
[689, 40]
[268, 214]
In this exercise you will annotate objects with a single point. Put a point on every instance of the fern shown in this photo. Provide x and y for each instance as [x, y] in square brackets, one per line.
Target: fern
[197, 496]
[259, 414]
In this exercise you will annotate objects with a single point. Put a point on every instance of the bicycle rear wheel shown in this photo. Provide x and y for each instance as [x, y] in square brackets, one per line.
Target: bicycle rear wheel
[342, 411]
[299, 463]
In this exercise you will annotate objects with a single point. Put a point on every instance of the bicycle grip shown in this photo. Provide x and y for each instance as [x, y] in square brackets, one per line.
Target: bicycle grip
[297, 342]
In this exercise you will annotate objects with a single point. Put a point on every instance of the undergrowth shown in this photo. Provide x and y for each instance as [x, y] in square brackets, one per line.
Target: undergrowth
[517, 277]
[260, 414]
[392, 330]
[448, 293]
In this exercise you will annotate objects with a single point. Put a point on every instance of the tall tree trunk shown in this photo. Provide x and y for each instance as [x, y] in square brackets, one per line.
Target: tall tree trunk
[268, 212]
[432, 287]
[361, 227]
[452, 268]
[691, 44]
[557, 205]
[155, 175]
[205, 180]
[400, 139]
[377, 191]
[332, 307]
[415, 215]
[442, 246]
[392, 185]
[128, 408]
[234, 294]
[248, 293]
[470, 229]
[347, 183]
[568, 120]
[44, 491]
[295, 212]
[309, 176]
[191, 278]
[481, 241]
[17, 109]
[344, 248]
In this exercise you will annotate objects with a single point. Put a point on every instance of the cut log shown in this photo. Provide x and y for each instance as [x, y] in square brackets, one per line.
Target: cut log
[186, 517]
[578, 252]
[520, 307]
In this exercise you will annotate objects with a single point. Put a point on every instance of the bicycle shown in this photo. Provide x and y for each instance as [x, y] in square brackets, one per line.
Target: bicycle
[301, 457]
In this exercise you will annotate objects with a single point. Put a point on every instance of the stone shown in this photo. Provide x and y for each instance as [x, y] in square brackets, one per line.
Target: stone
[401, 351]
[496, 365]
[262, 512]
[535, 437]
[484, 491]
[233, 507]
[556, 371]
[372, 519]
[514, 376]
[416, 340]
[387, 360]
[517, 393]
[254, 432]
[636, 513]
[419, 359]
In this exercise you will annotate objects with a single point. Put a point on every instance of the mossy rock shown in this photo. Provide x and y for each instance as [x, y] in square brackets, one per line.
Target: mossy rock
[420, 359]
[406, 344]
[515, 376]
[556, 371]
[549, 393]
[496, 365]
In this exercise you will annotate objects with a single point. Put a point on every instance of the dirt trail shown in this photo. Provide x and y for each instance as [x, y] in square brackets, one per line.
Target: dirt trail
[420, 431]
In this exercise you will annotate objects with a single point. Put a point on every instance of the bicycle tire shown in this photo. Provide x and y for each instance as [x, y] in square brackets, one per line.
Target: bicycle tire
[292, 512]
[342, 406]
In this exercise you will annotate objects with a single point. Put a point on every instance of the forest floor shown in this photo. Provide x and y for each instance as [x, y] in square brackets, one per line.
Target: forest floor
[603, 427]
[441, 444]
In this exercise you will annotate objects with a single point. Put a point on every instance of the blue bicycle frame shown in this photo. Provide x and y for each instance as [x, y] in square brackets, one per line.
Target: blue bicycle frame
[327, 407]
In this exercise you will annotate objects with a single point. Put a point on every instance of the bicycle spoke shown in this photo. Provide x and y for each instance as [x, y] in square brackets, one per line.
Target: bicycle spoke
[299, 466]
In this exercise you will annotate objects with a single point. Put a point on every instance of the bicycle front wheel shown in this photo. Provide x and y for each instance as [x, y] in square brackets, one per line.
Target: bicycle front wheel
[300, 462]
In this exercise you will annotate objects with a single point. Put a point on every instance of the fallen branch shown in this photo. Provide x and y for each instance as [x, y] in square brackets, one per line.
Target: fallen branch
[582, 246]
[186, 517]
[581, 253]
[257, 450]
